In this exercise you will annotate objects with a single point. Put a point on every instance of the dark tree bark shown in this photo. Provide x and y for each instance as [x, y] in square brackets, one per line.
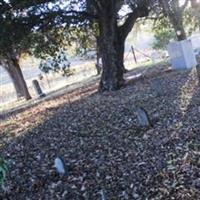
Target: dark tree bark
[112, 76]
[177, 23]
[15, 73]
[120, 48]
[98, 58]
[112, 42]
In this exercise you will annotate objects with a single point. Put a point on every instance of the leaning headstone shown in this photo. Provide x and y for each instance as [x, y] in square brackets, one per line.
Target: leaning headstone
[38, 89]
[198, 71]
[181, 54]
[143, 117]
[157, 86]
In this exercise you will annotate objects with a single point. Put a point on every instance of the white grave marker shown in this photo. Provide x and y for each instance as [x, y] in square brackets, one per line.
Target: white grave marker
[181, 54]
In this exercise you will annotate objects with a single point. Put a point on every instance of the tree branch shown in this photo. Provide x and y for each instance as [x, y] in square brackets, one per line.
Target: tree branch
[125, 29]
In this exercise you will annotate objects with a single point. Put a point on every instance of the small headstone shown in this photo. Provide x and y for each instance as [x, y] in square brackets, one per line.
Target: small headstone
[142, 117]
[198, 71]
[38, 89]
[59, 165]
[158, 87]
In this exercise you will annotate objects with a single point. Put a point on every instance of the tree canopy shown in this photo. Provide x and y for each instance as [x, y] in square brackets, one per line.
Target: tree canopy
[28, 27]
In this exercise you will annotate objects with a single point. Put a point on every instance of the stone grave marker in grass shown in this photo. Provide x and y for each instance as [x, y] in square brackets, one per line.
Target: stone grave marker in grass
[38, 89]
[143, 117]
[59, 166]
[157, 86]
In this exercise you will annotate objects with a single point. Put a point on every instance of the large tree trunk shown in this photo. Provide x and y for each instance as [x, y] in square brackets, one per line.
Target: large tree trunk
[98, 57]
[120, 48]
[112, 42]
[112, 76]
[15, 73]
[177, 23]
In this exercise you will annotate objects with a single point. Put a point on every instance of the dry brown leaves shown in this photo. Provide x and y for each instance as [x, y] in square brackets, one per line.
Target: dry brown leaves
[107, 155]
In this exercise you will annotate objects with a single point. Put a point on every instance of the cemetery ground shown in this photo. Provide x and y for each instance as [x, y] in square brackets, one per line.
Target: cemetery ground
[106, 153]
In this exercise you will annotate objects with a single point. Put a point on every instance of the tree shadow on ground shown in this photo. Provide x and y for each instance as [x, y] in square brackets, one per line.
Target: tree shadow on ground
[103, 148]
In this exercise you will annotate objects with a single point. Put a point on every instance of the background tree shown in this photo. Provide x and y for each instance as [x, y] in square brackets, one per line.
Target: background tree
[24, 29]
[174, 11]
[194, 14]
[164, 30]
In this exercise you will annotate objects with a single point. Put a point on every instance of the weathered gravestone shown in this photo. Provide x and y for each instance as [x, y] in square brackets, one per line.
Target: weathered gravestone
[59, 165]
[157, 86]
[143, 117]
[38, 89]
[181, 54]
